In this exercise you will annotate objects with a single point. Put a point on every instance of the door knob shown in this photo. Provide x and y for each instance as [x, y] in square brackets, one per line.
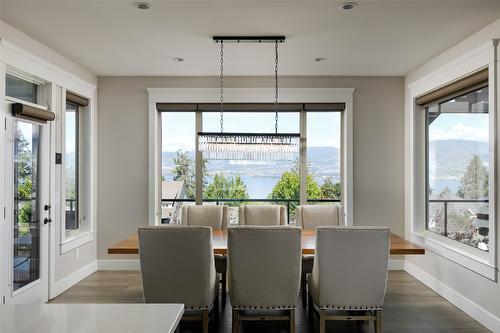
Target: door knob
[46, 207]
[47, 220]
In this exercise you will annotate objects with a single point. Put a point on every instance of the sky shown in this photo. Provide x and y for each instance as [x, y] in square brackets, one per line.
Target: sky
[464, 126]
[178, 128]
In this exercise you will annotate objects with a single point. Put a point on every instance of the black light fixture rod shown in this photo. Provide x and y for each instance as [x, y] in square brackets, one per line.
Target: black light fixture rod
[249, 39]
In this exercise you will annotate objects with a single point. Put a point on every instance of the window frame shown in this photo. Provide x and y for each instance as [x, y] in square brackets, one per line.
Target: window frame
[481, 262]
[71, 239]
[245, 95]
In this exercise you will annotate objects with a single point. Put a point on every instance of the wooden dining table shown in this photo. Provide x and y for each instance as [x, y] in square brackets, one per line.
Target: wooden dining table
[398, 246]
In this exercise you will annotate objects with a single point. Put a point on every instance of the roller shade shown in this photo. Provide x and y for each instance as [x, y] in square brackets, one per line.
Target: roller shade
[75, 99]
[454, 89]
[249, 107]
[32, 113]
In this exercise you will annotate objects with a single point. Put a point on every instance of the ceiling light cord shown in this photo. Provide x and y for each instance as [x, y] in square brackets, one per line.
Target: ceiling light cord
[221, 86]
[276, 85]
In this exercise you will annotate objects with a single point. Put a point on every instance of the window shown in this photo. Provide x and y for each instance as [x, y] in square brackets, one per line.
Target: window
[236, 182]
[71, 158]
[21, 89]
[75, 172]
[324, 156]
[457, 159]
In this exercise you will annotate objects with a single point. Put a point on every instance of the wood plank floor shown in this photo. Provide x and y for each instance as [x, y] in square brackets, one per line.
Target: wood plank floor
[409, 307]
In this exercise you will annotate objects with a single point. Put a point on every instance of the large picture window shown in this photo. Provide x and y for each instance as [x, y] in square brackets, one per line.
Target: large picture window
[236, 182]
[457, 160]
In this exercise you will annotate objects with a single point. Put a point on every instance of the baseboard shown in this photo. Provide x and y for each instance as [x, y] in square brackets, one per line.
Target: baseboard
[72, 279]
[396, 265]
[134, 265]
[466, 305]
[119, 265]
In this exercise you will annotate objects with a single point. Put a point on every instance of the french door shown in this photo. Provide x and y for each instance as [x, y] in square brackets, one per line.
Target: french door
[30, 213]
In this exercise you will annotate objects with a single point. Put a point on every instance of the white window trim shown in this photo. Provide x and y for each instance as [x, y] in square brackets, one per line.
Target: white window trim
[85, 233]
[246, 95]
[484, 263]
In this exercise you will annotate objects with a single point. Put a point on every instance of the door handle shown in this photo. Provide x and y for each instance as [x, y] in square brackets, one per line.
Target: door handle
[47, 220]
[46, 207]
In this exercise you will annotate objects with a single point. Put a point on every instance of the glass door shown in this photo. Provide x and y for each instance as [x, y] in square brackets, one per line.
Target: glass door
[29, 264]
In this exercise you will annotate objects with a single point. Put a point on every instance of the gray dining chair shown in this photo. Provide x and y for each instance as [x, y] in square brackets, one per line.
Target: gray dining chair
[177, 265]
[309, 217]
[217, 217]
[264, 272]
[349, 274]
[262, 215]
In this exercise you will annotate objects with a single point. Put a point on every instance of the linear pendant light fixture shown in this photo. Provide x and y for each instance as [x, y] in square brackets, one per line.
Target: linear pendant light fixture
[248, 146]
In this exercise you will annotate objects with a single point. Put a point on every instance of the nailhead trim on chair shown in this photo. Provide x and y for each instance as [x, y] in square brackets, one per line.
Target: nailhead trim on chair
[277, 307]
[343, 307]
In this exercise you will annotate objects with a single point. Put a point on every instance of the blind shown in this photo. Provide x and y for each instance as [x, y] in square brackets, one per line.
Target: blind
[76, 99]
[455, 88]
[249, 107]
[32, 113]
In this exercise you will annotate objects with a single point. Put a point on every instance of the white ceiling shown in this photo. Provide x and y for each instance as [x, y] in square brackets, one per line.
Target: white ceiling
[376, 38]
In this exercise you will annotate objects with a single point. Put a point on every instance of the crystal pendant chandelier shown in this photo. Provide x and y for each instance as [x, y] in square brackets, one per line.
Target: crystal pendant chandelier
[248, 146]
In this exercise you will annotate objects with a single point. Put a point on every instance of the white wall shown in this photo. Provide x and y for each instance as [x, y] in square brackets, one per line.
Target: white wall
[67, 266]
[483, 294]
[123, 148]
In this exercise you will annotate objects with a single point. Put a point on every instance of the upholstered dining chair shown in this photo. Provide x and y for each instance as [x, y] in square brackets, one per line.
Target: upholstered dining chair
[349, 274]
[264, 272]
[309, 217]
[217, 217]
[262, 215]
[177, 265]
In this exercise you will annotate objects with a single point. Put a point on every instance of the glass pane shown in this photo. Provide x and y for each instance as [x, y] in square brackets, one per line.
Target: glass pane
[20, 89]
[26, 263]
[71, 166]
[269, 181]
[323, 156]
[177, 163]
[458, 156]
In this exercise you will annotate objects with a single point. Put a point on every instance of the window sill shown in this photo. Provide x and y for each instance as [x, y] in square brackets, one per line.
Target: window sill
[76, 240]
[474, 259]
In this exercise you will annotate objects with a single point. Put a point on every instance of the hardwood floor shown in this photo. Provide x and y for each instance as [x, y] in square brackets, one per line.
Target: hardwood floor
[409, 307]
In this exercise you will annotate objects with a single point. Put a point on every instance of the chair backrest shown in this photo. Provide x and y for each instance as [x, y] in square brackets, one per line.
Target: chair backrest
[262, 215]
[264, 266]
[312, 216]
[350, 267]
[215, 216]
[177, 265]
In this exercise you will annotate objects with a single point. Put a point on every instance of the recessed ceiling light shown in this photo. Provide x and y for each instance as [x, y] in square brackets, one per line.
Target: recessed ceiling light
[348, 5]
[319, 59]
[142, 5]
[179, 59]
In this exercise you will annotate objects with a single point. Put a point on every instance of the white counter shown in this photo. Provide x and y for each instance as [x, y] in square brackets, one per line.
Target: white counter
[90, 318]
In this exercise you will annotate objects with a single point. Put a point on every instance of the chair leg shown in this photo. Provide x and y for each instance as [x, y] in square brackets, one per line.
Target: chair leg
[224, 288]
[310, 309]
[205, 321]
[378, 321]
[236, 321]
[303, 287]
[292, 321]
[322, 321]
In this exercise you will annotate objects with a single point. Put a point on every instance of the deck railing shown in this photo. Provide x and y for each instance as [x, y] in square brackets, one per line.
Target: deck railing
[287, 202]
[446, 202]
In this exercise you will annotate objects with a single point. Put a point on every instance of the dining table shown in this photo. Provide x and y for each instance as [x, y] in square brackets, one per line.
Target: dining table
[398, 245]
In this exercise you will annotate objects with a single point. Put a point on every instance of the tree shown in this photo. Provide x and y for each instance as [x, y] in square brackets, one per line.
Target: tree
[288, 188]
[446, 193]
[330, 190]
[184, 170]
[223, 187]
[474, 182]
[24, 171]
